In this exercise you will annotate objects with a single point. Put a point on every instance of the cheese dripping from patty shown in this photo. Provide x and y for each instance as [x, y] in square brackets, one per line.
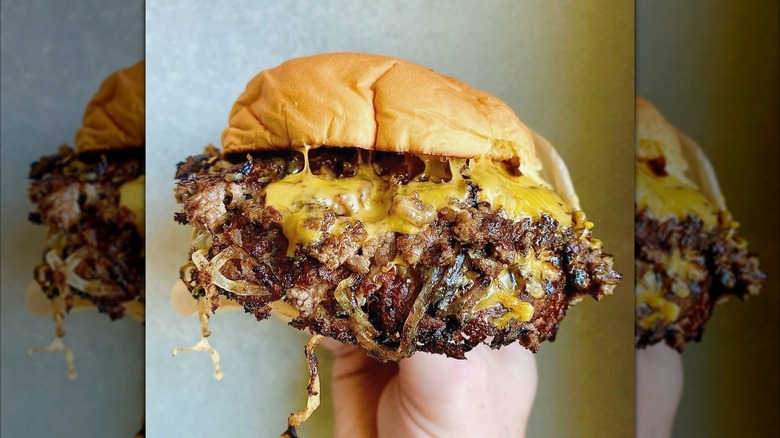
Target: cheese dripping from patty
[667, 196]
[383, 206]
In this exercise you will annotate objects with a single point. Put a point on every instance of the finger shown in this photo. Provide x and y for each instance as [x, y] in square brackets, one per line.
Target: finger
[338, 348]
[659, 385]
[490, 392]
[482, 368]
[358, 382]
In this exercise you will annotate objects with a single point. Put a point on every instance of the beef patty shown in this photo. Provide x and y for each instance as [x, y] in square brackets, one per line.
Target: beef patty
[471, 275]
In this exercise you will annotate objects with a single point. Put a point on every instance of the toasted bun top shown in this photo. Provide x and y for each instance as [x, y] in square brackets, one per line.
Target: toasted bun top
[683, 158]
[374, 102]
[114, 118]
[657, 138]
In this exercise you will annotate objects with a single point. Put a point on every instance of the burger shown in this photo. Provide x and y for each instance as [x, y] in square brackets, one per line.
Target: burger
[91, 201]
[381, 204]
[689, 256]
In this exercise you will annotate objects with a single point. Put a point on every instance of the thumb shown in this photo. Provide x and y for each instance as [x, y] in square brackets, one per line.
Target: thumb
[659, 387]
[489, 393]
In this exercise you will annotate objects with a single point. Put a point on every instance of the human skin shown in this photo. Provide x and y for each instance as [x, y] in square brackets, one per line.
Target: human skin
[659, 386]
[427, 395]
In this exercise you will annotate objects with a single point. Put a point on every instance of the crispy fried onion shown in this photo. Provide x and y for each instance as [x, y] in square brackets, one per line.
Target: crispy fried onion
[366, 333]
[312, 390]
[203, 344]
[57, 345]
[201, 239]
[358, 319]
[213, 270]
[68, 278]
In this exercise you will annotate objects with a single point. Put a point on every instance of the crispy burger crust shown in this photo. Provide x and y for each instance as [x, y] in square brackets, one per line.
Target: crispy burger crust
[376, 103]
[469, 248]
[115, 117]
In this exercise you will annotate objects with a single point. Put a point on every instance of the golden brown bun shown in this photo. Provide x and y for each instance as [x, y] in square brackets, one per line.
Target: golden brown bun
[684, 158]
[374, 102]
[656, 137]
[114, 118]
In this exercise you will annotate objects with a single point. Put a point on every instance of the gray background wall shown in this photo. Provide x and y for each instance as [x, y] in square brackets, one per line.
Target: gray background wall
[54, 57]
[712, 68]
[565, 67]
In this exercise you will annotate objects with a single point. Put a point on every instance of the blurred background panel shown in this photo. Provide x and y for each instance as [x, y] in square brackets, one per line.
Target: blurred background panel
[712, 68]
[565, 68]
[54, 57]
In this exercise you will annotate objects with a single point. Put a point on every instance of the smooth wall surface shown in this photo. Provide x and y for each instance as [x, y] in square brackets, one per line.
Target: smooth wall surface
[712, 68]
[566, 69]
[54, 57]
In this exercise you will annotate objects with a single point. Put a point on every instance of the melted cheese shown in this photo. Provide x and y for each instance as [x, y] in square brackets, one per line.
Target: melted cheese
[649, 293]
[503, 292]
[662, 309]
[438, 195]
[131, 196]
[682, 271]
[519, 195]
[369, 198]
[668, 196]
[536, 271]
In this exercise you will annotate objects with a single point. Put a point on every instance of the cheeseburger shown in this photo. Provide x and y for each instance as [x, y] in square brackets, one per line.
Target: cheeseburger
[91, 200]
[376, 202]
[688, 256]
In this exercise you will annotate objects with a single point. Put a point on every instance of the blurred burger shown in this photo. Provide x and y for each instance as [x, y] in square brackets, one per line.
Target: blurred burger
[91, 200]
[687, 252]
[379, 203]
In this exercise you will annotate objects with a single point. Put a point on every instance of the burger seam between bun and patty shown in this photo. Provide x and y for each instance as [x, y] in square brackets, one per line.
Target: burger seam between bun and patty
[376, 103]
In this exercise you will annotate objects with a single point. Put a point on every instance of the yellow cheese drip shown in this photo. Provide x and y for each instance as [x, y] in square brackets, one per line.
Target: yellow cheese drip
[662, 309]
[131, 196]
[438, 195]
[367, 197]
[503, 292]
[683, 271]
[535, 271]
[668, 196]
[518, 195]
